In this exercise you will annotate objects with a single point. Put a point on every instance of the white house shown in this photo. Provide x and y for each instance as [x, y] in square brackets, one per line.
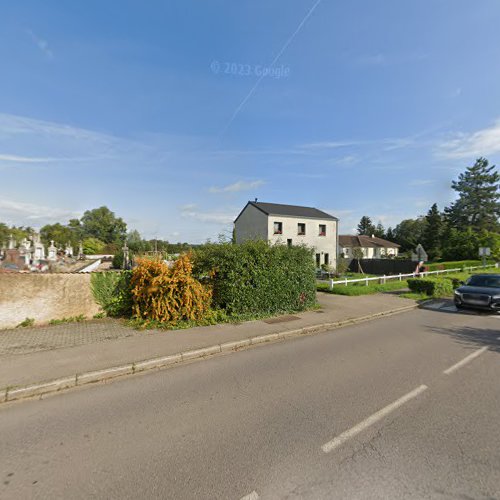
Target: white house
[291, 225]
[371, 246]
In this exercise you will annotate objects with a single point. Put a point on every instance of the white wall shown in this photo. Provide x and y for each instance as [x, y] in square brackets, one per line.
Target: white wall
[321, 244]
[372, 253]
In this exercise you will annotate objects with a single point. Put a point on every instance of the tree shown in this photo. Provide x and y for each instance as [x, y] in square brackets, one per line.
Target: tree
[460, 245]
[432, 234]
[101, 223]
[492, 241]
[76, 229]
[357, 254]
[134, 241]
[478, 203]
[92, 246]
[379, 231]
[409, 233]
[59, 234]
[366, 226]
[4, 234]
[389, 235]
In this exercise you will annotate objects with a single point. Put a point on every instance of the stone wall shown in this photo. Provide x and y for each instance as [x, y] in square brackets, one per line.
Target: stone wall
[44, 297]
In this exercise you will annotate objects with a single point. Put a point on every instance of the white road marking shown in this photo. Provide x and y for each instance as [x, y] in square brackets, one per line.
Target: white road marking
[466, 360]
[345, 436]
[251, 496]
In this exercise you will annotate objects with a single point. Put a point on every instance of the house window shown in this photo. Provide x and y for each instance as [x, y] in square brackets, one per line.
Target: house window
[322, 230]
[289, 243]
[327, 259]
[301, 229]
[278, 228]
[318, 260]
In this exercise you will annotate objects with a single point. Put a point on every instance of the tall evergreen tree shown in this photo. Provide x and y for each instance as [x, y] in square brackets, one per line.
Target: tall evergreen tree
[433, 231]
[366, 226]
[478, 203]
[389, 235]
[379, 231]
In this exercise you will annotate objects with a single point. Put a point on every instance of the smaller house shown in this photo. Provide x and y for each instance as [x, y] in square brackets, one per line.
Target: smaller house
[371, 246]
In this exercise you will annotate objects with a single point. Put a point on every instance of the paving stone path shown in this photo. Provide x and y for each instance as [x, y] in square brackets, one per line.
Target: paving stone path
[45, 338]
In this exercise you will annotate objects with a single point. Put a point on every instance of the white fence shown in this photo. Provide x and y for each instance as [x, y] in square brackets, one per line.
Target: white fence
[383, 279]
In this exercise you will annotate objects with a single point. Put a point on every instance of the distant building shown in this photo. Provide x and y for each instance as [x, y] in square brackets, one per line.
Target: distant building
[371, 246]
[291, 225]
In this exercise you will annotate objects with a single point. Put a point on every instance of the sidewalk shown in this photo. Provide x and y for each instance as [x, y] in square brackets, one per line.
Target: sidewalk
[35, 355]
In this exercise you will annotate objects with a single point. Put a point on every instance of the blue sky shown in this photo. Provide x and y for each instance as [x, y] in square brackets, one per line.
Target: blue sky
[163, 111]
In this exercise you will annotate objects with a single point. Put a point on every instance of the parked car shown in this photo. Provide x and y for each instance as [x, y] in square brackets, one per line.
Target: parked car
[481, 291]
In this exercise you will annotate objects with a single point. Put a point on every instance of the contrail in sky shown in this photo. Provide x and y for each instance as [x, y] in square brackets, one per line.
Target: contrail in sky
[275, 60]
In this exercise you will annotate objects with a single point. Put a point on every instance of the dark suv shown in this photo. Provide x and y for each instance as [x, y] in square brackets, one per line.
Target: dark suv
[481, 291]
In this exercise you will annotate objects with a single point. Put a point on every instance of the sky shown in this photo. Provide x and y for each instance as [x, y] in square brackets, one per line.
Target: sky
[175, 113]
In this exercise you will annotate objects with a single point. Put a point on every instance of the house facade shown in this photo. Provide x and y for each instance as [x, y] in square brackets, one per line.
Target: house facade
[371, 246]
[291, 225]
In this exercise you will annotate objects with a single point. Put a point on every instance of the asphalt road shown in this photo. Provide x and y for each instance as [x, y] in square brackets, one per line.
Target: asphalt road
[402, 407]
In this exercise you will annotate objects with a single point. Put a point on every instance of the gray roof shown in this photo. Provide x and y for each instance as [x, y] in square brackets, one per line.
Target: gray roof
[362, 241]
[289, 210]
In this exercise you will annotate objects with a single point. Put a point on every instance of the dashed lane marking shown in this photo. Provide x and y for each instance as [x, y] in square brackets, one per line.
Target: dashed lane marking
[466, 360]
[353, 431]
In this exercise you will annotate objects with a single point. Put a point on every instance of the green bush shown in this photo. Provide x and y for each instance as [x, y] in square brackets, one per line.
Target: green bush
[433, 287]
[255, 277]
[112, 291]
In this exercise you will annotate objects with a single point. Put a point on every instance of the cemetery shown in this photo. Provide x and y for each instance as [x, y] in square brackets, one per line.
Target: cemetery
[30, 255]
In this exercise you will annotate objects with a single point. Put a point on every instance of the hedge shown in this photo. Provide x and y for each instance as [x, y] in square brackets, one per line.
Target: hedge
[256, 277]
[458, 264]
[112, 291]
[434, 287]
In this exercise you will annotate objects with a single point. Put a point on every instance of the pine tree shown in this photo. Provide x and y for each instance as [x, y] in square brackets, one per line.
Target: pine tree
[478, 203]
[379, 231]
[389, 235]
[365, 226]
[431, 237]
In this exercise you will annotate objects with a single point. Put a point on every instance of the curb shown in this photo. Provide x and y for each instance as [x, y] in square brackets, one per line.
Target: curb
[16, 393]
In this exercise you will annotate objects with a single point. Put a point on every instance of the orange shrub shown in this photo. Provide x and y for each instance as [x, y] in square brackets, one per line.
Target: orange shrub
[168, 294]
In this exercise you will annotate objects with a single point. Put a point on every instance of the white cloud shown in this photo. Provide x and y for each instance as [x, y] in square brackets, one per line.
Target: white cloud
[30, 212]
[23, 159]
[380, 59]
[42, 44]
[421, 182]
[15, 125]
[192, 212]
[484, 142]
[330, 144]
[388, 144]
[237, 187]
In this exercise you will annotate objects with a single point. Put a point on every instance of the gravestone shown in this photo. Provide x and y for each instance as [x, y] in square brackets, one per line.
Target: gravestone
[52, 255]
